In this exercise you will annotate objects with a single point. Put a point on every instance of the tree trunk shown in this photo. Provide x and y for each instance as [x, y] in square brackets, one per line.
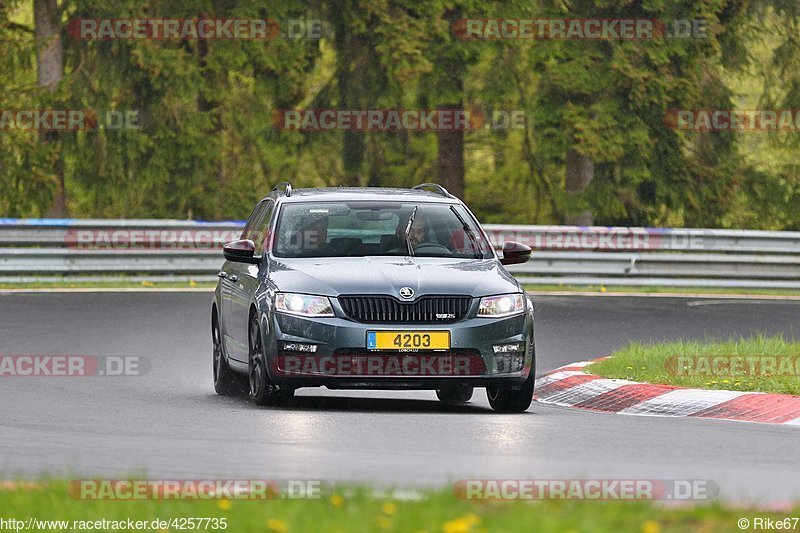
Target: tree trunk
[50, 72]
[350, 80]
[207, 105]
[580, 172]
[450, 163]
[351, 86]
[450, 143]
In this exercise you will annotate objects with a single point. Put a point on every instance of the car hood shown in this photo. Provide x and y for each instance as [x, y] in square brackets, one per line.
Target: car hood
[387, 275]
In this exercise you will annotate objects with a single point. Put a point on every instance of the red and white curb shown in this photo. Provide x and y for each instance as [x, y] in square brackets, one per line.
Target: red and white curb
[570, 386]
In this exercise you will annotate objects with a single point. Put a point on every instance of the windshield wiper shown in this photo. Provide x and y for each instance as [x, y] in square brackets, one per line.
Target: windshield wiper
[470, 234]
[408, 230]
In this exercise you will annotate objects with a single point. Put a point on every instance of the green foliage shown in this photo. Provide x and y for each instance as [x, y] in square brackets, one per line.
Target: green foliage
[367, 509]
[207, 147]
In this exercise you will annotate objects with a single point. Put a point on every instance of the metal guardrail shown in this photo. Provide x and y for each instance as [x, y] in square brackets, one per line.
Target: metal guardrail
[79, 250]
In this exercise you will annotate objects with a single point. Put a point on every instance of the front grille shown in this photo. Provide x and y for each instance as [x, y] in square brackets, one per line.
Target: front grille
[388, 310]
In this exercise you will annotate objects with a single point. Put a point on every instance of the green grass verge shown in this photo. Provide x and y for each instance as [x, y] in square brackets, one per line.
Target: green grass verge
[660, 289]
[760, 363]
[109, 284]
[362, 510]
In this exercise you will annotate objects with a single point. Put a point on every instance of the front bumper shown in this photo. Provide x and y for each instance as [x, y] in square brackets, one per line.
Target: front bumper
[471, 360]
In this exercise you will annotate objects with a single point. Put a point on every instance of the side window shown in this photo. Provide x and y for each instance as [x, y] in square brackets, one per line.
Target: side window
[250, 228]
[262, 228]
[258, 224]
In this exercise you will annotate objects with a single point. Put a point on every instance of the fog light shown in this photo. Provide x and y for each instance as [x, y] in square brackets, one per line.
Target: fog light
[297, 347]
[509, 362]
[508, 348]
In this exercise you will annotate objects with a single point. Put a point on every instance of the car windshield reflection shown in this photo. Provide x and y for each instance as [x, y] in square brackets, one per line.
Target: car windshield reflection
[357, 229]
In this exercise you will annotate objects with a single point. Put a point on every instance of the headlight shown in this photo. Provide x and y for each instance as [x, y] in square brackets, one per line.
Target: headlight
[303, 304]
[503, 305]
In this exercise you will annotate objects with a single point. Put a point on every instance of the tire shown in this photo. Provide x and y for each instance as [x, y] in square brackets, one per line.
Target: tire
[507, 400]
[456, 395]
[226, 381]
[262, 390]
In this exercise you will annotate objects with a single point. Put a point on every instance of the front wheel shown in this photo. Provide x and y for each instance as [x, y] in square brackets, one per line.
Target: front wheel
[262, 390]
[507, 400]
[226, 381]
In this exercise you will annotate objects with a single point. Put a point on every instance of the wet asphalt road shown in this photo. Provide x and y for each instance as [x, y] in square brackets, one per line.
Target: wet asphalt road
[169, 423]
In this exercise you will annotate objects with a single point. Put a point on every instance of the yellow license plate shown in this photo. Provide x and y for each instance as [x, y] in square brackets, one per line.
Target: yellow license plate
[408, 340]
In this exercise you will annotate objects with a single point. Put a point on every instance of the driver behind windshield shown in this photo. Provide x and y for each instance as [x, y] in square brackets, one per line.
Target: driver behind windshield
[418, 235]
[418, 231]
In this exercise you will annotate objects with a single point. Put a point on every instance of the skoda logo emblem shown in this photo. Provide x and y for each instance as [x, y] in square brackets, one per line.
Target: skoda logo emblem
[406, 293]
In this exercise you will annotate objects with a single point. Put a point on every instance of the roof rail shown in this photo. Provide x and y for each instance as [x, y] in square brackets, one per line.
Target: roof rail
[435, 187]
[287, 188]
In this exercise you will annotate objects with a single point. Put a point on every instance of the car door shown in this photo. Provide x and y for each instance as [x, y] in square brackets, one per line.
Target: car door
[239, 277]
[244, 282]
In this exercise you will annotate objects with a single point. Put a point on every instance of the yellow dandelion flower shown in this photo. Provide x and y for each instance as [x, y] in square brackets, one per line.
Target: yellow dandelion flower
[389, 508]
[651, 527]
[224, 504]
[384, 522]
[456, 526]
[336, 500]
[462, 525]
[279, 526]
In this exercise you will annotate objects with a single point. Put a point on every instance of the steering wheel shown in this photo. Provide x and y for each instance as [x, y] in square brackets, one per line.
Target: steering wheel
[431, 247]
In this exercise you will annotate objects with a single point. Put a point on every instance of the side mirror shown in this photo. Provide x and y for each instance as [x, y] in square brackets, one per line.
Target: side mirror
[241, 251]
[515, 253]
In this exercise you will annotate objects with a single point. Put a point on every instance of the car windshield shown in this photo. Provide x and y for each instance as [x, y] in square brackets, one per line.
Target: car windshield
[341, 229]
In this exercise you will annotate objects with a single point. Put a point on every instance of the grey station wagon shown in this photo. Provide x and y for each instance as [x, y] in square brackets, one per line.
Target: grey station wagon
[371, 288]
